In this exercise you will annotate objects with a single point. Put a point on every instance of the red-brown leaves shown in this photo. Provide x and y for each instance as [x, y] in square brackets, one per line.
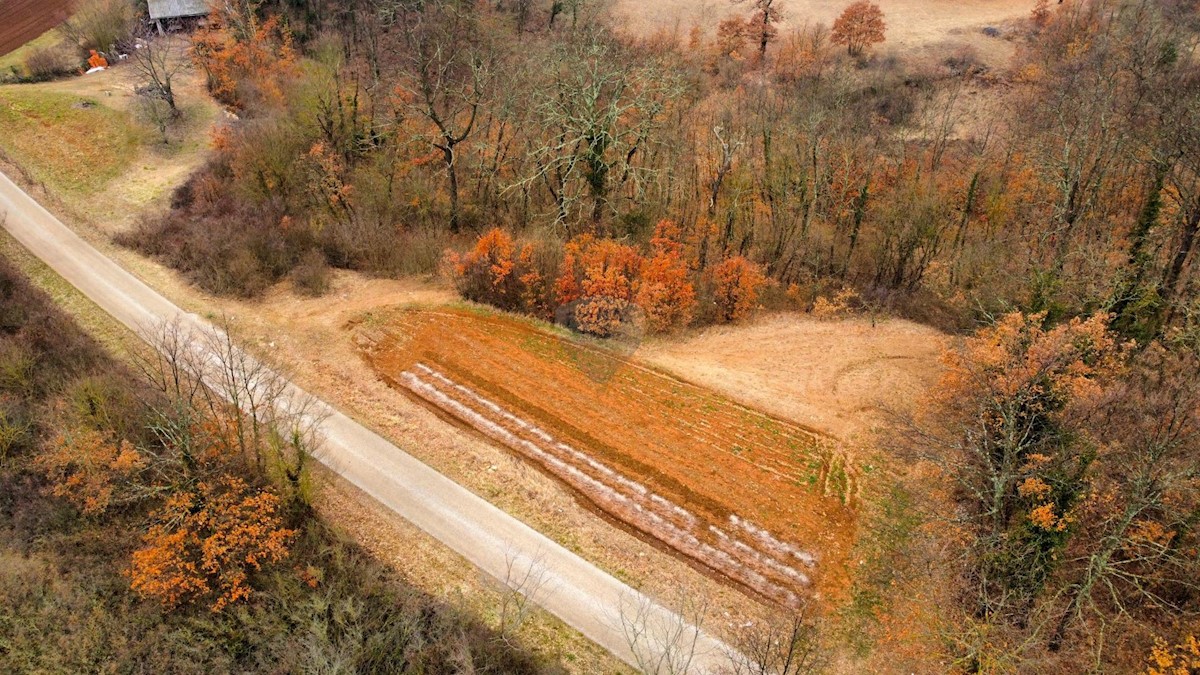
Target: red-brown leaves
[205, 542]
[496, 273]
[736, 285]
[664, 291]
[242, 54]
[88, 468]
[859, 26]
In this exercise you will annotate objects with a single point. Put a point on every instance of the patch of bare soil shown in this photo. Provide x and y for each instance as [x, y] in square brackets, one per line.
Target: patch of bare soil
[836, 376]
[24, 20]
[761, 501]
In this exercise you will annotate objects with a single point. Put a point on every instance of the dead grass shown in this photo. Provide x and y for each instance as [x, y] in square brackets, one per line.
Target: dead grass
[72, 143]
[913, 26]
[836, 376]
[82, 138]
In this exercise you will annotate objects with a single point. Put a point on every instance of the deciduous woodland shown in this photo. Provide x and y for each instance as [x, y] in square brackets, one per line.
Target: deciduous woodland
[1039, 511]
[145, 525]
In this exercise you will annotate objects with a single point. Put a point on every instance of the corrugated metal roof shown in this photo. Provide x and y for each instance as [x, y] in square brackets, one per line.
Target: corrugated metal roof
[170, 9]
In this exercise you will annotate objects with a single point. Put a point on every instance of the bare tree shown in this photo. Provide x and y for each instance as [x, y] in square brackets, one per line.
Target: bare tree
[448, 73]
[781, 646]
[663, 642]
[599, 114]
[157, 61]
[525, 587]
[204, 372]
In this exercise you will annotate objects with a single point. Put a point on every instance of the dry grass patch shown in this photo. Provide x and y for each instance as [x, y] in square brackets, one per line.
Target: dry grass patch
[73, 144]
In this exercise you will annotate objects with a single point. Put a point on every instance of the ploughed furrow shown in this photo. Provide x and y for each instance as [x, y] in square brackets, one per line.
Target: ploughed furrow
[775, 446]
[728, 544]
[627, 419]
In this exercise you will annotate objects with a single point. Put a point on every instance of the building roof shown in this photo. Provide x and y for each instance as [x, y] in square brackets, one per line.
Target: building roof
[171, 9]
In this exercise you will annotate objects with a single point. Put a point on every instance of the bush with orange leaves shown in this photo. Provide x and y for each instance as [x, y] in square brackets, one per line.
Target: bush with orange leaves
[664, 291]
[244, 55]
[495, 272]
[1007, 422]
[736, 283]
[90, 469]
[1180, 659]
[205, 542]
[596, 284]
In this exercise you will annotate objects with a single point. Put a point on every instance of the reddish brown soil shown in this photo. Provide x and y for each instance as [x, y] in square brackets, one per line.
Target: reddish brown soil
[745, 494]
[23, 20]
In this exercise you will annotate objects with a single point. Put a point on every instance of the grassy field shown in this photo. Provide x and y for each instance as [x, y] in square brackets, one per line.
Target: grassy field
[71, 143]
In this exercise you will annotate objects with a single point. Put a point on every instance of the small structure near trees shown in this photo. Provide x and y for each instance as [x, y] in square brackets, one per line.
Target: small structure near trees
[175, 10]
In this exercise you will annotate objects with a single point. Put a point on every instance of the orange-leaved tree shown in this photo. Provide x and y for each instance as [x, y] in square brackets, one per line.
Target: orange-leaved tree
[244, 55]
[760, 27]
[495, 272]
[90, 469]
[859, 26]
[736, 284]
[205, 543]
[595, 283]
[1010, 427]
[664, 291]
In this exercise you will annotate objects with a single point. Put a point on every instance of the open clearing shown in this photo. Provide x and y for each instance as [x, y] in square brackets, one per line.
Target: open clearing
[911, 24]
[24, 20]
[761, 501]
[836, 376]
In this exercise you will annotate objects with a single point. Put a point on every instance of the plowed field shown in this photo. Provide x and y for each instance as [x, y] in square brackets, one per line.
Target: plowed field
[762, 502]
[23, 20]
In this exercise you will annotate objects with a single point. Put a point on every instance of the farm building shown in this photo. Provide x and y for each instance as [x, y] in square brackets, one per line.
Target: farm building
[172, 10]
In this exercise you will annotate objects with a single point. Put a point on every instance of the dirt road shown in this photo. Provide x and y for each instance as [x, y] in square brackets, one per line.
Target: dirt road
[574, 590]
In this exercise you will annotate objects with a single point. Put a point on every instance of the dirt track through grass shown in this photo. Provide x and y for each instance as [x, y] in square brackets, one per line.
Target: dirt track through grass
[746, 495]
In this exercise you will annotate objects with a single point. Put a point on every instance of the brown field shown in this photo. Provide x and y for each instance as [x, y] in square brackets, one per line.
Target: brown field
[763, 502]
[24, 20]
[840, 377]
[911, 24]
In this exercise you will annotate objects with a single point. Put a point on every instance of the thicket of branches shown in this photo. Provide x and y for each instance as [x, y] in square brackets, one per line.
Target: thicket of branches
[405, 124]
[590, 178]
[146, 525]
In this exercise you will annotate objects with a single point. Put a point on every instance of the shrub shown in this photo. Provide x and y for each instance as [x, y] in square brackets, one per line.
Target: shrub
[311, 275]
[664, 291]
[100, 25]
[46, 63]
[736, 285]
[496, 273]
[595, 283]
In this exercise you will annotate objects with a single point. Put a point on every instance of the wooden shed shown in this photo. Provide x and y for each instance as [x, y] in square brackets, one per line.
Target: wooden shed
[170, 10]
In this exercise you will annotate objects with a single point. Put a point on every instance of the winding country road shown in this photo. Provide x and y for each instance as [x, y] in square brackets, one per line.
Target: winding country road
[574, 590]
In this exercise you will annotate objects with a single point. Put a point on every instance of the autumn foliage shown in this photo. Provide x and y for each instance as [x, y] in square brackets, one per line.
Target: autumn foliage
[860, 26]
[497, 273]
[736, 283]
[89, 468]
[602, 286]
[206, 542]
[244, 55]
[664, 290]
[595, 283]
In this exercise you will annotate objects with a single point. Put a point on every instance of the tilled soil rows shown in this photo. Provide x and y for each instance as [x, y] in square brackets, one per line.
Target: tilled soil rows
[23, 20]
[762, 502]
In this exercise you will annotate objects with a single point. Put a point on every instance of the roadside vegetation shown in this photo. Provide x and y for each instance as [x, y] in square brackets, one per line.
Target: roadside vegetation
[148, 526]
[1039, 510]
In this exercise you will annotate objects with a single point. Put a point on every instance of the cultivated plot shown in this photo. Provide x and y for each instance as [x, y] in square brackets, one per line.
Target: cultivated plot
[762, 502]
